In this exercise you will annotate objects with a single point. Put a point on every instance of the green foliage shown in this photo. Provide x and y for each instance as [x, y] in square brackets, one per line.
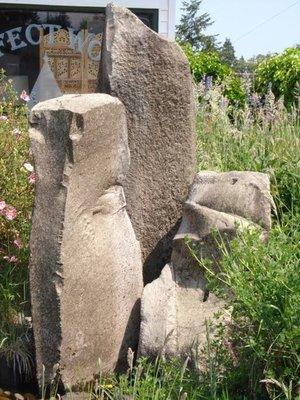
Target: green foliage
[17, 194]
[261, 283]
[234, 91]
[227, 53]
[203, 64]
[193, 25]
[256, 355]
[161, 380]
[249, 66]
[282, 72]
[209, 65]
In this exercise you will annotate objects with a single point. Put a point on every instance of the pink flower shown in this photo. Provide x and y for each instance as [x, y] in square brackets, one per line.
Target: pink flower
[17, 133]
[11, 259]
[24, 96]
[3, 118]
[32, 178]
[2, 205]
[10, 213]
[18, 243]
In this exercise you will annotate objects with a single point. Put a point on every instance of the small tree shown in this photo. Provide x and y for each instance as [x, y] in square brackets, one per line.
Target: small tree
[193, 25]
[241, 65]
[227, 53]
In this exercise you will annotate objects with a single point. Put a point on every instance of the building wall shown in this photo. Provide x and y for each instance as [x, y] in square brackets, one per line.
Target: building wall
[166, 17]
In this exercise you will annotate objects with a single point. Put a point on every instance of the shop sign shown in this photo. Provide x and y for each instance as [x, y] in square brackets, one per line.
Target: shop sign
[32, 36]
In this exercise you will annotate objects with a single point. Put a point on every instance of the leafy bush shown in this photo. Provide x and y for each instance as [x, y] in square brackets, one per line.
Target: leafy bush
[16, 200]
[207, 65]
[282, 73]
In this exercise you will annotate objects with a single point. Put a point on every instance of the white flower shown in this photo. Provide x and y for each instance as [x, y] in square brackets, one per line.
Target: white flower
[28, 167]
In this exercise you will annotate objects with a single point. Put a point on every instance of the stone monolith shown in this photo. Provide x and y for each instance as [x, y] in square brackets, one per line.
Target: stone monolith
[175, 306]
[151, 76]
[85, 268]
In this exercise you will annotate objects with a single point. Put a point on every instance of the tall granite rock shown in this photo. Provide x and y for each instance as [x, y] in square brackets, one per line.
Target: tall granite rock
[151, 76]
[175, 306]
[86, 268]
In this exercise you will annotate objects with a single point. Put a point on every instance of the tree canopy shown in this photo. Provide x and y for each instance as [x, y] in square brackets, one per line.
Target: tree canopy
[227, 53]
[192, 27]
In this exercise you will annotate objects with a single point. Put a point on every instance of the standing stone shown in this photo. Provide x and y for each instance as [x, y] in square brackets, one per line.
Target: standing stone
[85, 269]
[151, 76]
[175, 306]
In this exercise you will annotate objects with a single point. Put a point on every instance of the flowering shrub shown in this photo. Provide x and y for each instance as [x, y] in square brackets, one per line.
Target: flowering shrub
[16, 196]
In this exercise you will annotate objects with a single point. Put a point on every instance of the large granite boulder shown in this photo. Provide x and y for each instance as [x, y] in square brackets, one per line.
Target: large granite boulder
[85, 268]
[175, 306]
[151, 76]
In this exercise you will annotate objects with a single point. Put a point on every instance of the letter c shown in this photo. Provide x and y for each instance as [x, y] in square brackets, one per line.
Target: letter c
[28, 34]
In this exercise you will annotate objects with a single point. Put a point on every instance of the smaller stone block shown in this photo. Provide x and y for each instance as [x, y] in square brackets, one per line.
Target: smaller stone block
[175, 307]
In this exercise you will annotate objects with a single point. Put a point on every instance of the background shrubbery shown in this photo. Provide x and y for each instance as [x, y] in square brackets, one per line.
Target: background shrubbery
[278, 73]
[207, 67]
[281, 73]
[16, 199]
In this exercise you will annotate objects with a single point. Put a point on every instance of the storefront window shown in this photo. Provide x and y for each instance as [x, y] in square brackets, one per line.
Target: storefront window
[48, 53]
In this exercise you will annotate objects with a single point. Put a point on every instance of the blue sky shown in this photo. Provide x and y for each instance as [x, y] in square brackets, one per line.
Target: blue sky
[274, 24]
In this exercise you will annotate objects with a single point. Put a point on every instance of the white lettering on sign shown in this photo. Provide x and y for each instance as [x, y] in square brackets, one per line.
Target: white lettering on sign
[28, 34]
[1, 43]
[14, 38]
[77, 41]
[52, 29]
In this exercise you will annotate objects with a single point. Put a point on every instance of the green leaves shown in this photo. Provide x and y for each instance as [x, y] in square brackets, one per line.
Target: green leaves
[261, 284]
[282, 72]
[208, 64]
[193, 25]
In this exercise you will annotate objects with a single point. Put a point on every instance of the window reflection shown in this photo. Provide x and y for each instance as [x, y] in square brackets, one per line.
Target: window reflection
[48, 53]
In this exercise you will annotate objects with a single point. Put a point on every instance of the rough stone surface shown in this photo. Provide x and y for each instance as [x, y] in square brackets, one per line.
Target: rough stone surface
[151, 76]
[85, 269]
[246, 194]
[177, 304]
